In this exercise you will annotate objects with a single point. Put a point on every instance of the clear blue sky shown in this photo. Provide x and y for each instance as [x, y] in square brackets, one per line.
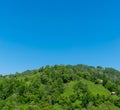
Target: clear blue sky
[34, 33]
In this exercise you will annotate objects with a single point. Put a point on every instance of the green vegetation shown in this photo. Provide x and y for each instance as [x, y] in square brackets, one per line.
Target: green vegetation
[61, 87]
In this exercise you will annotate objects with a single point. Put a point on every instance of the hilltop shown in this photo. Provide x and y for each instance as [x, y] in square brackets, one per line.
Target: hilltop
[61, 87]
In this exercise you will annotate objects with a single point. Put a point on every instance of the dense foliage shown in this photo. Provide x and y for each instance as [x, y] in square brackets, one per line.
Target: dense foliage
[60, 87]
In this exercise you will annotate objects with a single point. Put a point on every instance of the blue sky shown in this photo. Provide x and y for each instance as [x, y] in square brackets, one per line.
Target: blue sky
[34, 33]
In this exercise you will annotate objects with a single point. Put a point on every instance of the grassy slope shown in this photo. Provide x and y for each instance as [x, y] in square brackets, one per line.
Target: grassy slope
[94, 89]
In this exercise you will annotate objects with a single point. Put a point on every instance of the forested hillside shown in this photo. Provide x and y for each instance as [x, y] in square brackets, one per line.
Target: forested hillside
[61, 87]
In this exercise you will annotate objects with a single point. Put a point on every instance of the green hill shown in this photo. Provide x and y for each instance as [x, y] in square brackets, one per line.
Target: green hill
[61, 87]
